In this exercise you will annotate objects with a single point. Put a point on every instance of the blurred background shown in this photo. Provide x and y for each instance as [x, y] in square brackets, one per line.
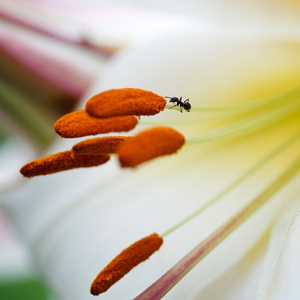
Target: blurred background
[52, 51]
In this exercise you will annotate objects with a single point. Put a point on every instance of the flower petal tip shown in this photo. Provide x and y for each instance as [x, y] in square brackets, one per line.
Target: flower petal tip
[125, 261]
[149, 144]
[126, 101]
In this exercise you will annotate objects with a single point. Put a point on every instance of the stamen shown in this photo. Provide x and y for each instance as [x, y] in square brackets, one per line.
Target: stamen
[79, 123]
[122, 102]
[163, 285]
[107, 144]
[62, 161]
[150, 144]
[126, 261]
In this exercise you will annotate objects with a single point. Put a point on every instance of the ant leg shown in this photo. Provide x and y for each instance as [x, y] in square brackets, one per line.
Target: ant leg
[187, 100]
[173, 106]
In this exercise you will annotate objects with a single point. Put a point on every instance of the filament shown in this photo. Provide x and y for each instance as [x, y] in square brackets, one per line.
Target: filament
[164, 284]
[247, 125]
[276, 99]
[272, 154]
[258, 109]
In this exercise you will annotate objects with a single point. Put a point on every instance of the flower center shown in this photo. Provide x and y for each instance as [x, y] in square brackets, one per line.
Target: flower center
[113, 111]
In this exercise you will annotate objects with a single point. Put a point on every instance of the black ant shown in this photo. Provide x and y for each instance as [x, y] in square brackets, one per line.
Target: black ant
[178, 102]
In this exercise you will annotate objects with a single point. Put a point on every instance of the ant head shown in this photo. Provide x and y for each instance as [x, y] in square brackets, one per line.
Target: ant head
[174, 99]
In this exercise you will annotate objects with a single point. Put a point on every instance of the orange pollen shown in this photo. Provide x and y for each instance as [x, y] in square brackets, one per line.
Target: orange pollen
[122, 102]
[150, 144]
[62, 161]
[125, 261]
[79, 123]
[106, 144]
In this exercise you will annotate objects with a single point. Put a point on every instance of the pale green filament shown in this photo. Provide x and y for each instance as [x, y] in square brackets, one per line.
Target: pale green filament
[258, 109]
[278, 98]
[255, 122]
[242, 178]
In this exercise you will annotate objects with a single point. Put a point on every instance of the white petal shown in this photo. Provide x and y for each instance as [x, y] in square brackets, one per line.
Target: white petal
[280, 276]
[78, 221]
[239, 282]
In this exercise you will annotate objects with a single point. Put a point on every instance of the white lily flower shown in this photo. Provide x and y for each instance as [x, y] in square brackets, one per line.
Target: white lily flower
[260, 56]
[78, 221]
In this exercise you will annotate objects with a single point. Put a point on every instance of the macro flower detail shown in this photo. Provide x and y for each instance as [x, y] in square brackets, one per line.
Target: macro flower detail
[225, 122]
[126, 101]
[125, 261]
[221, 207]
[119, 105]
